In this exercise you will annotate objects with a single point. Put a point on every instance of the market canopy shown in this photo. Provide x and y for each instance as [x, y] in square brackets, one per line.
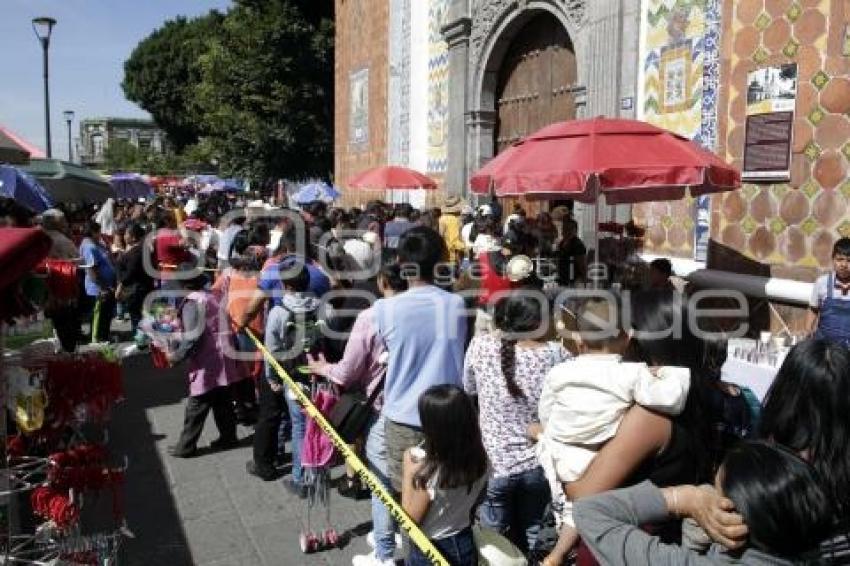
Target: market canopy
[130, 186]
[626, 160]
[15, 150]
[24, 189]
[392, 177]
[68, 183]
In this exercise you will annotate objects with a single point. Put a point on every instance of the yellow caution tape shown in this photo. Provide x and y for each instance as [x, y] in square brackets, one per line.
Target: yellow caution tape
[367, 477]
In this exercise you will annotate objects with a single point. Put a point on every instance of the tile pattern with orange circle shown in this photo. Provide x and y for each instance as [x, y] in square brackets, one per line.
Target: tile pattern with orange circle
[787, 225]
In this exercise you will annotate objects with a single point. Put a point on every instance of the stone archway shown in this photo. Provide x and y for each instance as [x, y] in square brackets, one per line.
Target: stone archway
[534, 82]
[496, 24]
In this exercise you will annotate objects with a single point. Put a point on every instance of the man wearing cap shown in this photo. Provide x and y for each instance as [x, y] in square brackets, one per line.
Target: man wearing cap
[449, 228]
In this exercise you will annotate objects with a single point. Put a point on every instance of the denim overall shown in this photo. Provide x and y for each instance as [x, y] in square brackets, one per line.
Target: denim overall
[834, 322]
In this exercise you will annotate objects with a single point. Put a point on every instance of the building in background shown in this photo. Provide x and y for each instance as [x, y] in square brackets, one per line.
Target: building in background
[97, 133]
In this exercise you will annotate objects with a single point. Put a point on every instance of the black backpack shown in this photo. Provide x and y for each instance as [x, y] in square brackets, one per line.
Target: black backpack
[304, 335]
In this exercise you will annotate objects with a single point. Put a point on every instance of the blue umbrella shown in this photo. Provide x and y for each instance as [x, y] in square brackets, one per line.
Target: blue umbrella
[231, 185]
[203, 179]
[220, 186]
[317, 191]
[130, 186]
[17, 185]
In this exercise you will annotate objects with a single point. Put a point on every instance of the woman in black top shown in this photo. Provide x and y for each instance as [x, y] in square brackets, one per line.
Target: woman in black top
[134, 282]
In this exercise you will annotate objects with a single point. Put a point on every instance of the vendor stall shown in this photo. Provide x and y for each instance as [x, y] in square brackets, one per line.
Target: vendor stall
[626, 161]
[56, 450]
[754, 363]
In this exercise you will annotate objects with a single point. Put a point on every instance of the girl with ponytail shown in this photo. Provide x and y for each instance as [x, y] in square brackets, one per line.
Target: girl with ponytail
[506, 370]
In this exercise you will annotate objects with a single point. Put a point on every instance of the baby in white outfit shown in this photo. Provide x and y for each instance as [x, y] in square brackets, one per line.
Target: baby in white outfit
[583, 402]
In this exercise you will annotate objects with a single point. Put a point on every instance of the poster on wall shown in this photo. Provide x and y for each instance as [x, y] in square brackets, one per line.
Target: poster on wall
[358, 107]
[771, 99]
[702, 227]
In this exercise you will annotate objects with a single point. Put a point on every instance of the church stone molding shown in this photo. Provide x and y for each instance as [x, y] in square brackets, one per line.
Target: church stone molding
[488, 14]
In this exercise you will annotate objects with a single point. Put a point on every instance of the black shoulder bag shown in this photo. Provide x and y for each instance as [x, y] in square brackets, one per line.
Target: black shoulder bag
[351, 413]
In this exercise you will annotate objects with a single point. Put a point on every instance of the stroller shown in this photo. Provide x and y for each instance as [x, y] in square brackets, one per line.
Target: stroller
[317, 456]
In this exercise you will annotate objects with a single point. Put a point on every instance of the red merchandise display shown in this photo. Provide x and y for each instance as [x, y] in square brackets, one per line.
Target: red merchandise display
[89, 384]
[53, 505]
[62, 281]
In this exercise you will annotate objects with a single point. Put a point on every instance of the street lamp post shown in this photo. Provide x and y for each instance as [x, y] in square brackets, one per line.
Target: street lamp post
[43, 27]
[69, 117]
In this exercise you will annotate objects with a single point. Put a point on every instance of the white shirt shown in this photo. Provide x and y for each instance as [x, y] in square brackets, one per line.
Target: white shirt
[225, 241]
[191, 206]
[209, 239]
[274, 240]
[819, 291]
[466, 235]
[361, 252]
[584, 398]
[582, 405]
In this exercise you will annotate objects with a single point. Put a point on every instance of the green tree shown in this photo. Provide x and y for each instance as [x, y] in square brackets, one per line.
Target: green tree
[161, 75]
[121, 155]
[266, 89]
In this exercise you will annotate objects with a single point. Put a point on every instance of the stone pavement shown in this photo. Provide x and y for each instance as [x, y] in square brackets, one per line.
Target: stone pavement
[207, 511]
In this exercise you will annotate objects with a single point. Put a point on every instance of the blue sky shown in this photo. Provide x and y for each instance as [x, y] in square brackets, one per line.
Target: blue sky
[89, 45]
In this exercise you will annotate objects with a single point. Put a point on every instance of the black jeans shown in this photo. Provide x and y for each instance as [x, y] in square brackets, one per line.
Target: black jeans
[245, 400]
[271, 411]
[135, 302]
[66, 323]
[197, 409]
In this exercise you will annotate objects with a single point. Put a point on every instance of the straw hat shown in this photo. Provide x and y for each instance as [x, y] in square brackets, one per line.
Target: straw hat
[452, 204]
[519, 267]
[560, 212]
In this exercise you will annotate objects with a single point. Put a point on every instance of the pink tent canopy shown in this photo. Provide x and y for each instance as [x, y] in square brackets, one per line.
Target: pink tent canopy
[34, 151]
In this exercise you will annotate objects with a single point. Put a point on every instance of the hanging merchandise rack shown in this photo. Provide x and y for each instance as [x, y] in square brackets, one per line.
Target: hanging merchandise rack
[51, 463]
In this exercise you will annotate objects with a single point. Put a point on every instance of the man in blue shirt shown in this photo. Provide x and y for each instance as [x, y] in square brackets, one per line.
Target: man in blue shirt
[424, 330]
[100, 281]
[270, 288]
[270, 284]
[396, 228]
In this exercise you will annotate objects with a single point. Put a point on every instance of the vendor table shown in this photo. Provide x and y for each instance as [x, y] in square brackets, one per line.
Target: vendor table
[757, 377]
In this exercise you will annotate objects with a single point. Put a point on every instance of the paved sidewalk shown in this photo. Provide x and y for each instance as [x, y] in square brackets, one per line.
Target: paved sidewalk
[206, 510]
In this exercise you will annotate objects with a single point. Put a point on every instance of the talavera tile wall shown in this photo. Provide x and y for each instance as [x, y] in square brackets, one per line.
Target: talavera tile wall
[788, 228]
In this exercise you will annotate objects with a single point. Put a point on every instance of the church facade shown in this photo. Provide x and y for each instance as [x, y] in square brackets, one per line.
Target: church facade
[466, 78]
[763, 83]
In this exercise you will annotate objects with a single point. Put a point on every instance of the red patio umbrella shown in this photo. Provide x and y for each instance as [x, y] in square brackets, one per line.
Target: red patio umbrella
[626, 160]
[392, 177]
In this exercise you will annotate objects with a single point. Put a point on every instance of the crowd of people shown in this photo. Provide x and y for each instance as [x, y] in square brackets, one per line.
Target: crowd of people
[579, 437]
